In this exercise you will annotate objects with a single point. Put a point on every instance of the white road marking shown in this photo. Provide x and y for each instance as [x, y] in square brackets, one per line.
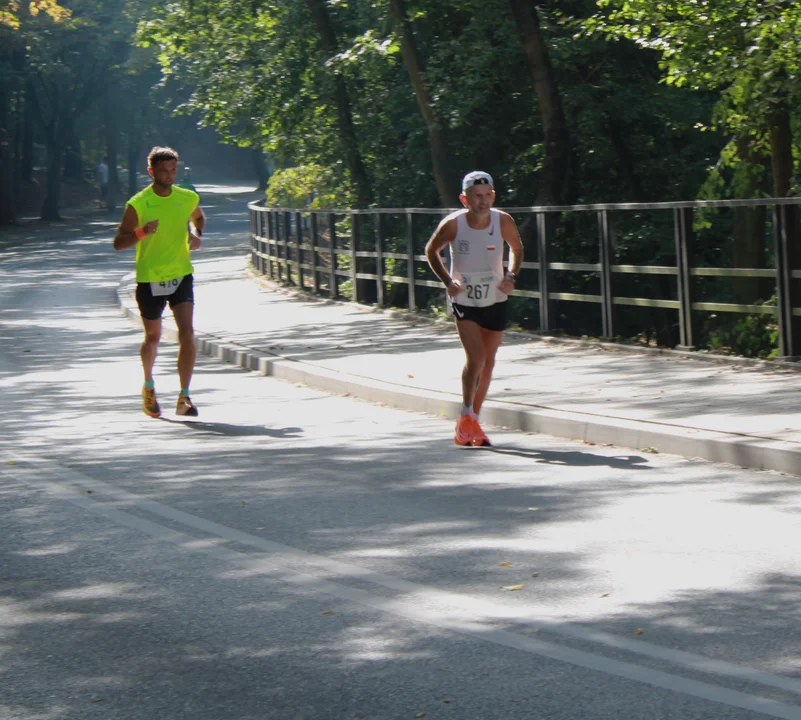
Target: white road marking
[444, 610]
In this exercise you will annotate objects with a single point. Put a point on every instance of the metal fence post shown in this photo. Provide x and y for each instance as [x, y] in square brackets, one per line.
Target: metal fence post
[547, 309]
[333, 289]
[605, 254]
[410, 260]
[299, 247]
[788, 295]
[683, 232]
[379, 261]
[271, 238]
[314, 240]
[285, 238]
[255, 239]
[264, 244]
[355, 221]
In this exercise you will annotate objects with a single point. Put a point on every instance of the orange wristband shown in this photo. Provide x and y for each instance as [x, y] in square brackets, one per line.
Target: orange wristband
[140, 232]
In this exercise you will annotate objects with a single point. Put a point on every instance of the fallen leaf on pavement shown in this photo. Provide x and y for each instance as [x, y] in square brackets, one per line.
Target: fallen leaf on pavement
[650, 449]
[504, 564]
[535, 574]
[604, 595]
[409, 376]
[11, 462]
[511, 587]
[327, 612]
[421, 714]
[638, 631]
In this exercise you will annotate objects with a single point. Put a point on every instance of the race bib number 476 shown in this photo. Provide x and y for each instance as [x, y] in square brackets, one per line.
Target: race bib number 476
[165, 287]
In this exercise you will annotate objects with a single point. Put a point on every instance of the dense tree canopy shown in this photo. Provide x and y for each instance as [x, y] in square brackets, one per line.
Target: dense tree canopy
[749, 52]
[396, 99]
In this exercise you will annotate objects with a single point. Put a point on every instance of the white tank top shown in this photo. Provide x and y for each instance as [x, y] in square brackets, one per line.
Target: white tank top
[477, 261]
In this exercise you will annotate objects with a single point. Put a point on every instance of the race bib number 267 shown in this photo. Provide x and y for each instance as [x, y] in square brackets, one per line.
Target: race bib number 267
[480, 289]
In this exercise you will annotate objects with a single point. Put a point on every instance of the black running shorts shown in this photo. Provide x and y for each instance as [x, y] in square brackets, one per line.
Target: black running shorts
[151, 307]
[493, 317]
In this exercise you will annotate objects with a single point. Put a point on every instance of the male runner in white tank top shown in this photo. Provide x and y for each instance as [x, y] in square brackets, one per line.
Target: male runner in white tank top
[478, 289]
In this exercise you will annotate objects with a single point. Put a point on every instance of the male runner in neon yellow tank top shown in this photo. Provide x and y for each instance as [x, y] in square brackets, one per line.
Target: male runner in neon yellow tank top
[156, 221]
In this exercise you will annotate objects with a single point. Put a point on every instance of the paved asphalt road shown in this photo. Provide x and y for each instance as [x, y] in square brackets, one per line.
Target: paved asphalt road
[301, 556]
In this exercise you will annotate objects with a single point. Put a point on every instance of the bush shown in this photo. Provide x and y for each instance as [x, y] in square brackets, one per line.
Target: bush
[308, 186]
[751, 336]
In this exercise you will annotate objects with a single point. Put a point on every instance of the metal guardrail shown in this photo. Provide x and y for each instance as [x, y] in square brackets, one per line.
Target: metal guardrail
[304, 247]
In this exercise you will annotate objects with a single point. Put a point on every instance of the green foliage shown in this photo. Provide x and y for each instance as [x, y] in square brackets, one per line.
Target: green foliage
[307, 186]
[13, 13]
[749, 51]
[751, 336]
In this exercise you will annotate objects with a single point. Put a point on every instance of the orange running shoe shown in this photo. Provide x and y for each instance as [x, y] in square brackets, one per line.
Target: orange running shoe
[149, 403]
[479, 438]
[464, 430]
[185, 406]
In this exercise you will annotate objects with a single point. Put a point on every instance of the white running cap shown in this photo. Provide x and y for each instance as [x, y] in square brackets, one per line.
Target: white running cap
[477, 177]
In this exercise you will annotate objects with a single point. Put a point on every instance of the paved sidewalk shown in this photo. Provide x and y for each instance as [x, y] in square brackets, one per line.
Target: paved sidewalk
[744, 414]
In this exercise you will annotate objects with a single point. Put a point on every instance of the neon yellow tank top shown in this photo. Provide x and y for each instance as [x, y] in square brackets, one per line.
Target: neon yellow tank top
[164, 255]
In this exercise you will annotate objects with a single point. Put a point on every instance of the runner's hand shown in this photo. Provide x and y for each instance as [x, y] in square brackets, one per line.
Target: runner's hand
[150, 227]
[194, 241]
[454, 288]
[507, 285]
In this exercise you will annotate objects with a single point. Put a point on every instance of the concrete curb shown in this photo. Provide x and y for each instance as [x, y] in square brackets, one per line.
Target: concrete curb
[735, 449]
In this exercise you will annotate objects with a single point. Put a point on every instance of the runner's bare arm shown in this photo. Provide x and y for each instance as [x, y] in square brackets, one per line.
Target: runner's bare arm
[198, 219]
[126, 233]
[444, 234]
[198, 222]
[512, 237]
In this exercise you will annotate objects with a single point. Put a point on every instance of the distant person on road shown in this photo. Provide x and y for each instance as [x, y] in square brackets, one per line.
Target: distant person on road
[186, 179]
[102, 179]
[157, 221]
[477, 288]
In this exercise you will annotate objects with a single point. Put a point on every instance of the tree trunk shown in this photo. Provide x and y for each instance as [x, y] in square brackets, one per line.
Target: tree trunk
[26, 156]
[260, 168]
[446, 185]
[347, 131]
[52, 198]
[749, 225]
[556, 171]
[73, 162]
[111, 152]
[626, 163]
[781, 149]
[8, 214]
[134, 143]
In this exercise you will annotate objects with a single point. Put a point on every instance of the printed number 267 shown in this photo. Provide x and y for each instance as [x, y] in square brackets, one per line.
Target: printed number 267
[477, 292]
